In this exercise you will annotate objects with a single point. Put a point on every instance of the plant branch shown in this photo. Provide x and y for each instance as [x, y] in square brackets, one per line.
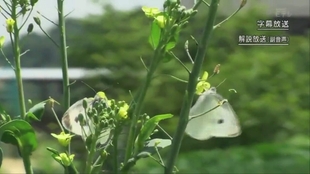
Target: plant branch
[27, 164]
[47, 19]
[16, 51]
[191, 87]
[7, 60]
[90, 153]
[63, 51]
[26, 19]
[139, 98]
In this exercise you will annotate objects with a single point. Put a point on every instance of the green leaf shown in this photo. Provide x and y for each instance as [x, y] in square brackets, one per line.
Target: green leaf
[171, 44]
[36, 112]
[149, 148]
[173, 40]
[147, 130]
[21, 134]
[154, 37]
[54, 151]
[1, 157]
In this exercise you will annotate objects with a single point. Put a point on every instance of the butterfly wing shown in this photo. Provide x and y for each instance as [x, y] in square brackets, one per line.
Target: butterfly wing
[196, 127]
[224, 122]
[70, 118]
[220, 122]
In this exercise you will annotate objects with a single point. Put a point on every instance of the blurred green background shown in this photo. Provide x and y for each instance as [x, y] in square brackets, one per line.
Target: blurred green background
[272, 83]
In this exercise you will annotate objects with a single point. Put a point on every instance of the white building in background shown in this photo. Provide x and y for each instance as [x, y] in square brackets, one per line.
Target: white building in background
[51, 73]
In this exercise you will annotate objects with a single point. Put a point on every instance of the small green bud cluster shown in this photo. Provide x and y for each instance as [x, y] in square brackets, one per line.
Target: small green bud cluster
[179, 13]
[103, 115]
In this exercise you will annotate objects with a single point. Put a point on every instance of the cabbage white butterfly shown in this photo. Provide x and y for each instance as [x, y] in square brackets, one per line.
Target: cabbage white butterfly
[219, 122]
[71, 122]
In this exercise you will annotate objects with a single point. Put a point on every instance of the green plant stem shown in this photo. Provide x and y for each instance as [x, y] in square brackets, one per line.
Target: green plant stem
[140, 98]
[27, 164]
[189, 95]
[63, 51]
[90, 154]
[115, 152]
[16, 51]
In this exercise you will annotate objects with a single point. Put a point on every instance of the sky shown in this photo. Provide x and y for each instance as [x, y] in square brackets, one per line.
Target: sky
[78, 9]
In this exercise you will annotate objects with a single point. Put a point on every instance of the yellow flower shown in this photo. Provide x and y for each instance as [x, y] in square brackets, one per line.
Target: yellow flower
[203, 85]
[64, 159]
[150, 12]
[63, 138]
[123, 111]
[10, 25]
[161, 20]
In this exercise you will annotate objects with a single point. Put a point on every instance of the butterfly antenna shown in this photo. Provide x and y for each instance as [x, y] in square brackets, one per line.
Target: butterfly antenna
[221, 83]
[89, 86]
[164, 131]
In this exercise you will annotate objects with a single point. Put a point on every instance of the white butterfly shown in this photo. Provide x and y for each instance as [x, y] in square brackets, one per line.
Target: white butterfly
[71, 122]
[220, 122]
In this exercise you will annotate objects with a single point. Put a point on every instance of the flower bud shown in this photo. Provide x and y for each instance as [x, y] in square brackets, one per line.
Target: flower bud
[64, 159]
[217, 69]
[161, 21]
[242, 4]
[63, 138]
[30, 28]
[85, 104]
[10, 25]
[2, 39]
[37, 20]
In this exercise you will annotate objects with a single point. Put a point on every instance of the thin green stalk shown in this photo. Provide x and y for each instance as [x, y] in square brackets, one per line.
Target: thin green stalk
[90, 154]
[63, 51]
[115, 150]
[27, 164]
[188, 98]
[139, 100]
[16, 50]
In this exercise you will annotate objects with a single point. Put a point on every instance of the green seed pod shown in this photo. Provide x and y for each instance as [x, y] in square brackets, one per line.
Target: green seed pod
[184, 24]
[193, 13]
[37, 20]
[30, 28]
[81, 119]
[85, 104]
